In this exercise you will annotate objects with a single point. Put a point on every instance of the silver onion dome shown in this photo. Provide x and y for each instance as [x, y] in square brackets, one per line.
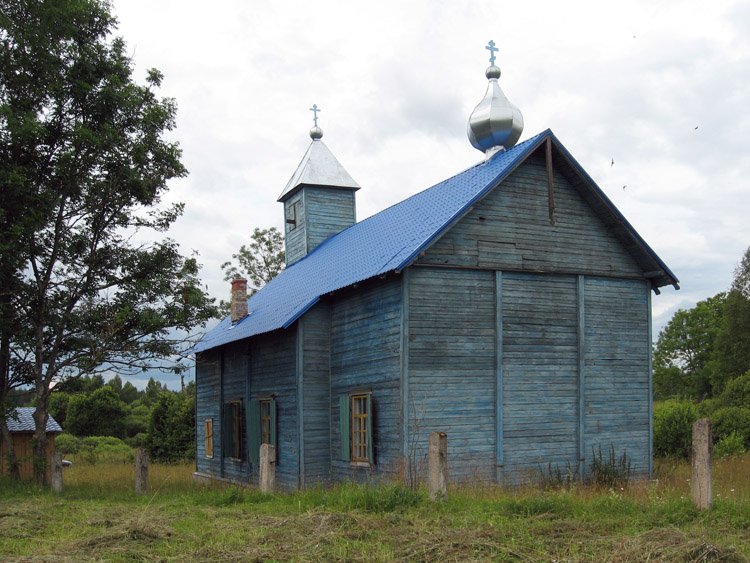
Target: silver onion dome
[495, 123]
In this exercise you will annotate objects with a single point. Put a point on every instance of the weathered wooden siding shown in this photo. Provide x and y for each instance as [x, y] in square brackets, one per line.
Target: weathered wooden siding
[324, 212]
[539, 375]
[208, 405]
[365, 344]
[451, 368]
[328, 211]
[616, 354]
[234, 384]
[23, 447]
[316, 394]
[273, 372]
[510, 230]
[295, 240]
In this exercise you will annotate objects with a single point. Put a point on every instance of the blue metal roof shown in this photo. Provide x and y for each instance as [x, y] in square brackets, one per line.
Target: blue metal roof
[23, 421]
[385, 242]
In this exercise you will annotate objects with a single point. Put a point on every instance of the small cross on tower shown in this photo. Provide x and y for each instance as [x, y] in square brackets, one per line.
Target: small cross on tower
[492, 49]
[315, 111]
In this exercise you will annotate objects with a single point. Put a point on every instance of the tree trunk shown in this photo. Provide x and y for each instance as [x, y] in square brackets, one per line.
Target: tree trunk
[6, 439]
[41, 466]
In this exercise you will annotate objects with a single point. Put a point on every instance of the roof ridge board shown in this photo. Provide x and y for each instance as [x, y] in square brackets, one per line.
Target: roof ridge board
[613, 209]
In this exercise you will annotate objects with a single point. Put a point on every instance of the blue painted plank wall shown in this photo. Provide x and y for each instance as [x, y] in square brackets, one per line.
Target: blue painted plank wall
[234, 381]
[273, 373]
[295, 240]
[365, 345]
[208, 397]
[316, 395]
[451, 371]
[510, 230]
[617, 369]
[540, 375]
[328, 212]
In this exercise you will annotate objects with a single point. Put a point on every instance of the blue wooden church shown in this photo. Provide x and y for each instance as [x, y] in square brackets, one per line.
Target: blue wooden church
[508, 306]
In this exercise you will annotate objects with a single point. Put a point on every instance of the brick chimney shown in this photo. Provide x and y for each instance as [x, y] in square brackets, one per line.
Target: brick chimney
[239, 299]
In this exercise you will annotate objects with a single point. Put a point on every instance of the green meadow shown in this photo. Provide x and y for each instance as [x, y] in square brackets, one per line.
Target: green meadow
[98, 517]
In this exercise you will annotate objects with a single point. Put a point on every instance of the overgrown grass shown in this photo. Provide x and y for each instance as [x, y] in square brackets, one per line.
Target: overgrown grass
[99, 517]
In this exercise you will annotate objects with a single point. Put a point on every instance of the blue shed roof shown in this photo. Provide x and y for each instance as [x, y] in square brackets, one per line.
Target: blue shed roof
[24, 421]
[385, 242]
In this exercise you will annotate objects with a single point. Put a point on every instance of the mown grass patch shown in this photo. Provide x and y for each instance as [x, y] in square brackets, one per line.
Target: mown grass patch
[98, 517]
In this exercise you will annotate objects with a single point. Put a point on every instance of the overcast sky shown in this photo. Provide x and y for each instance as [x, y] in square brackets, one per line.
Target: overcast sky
[661, 88]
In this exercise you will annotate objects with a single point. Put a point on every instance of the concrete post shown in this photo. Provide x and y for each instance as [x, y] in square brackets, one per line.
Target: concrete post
[701, 460]
[141, 471]
[437, 466]
[56, 474]
[267, 470]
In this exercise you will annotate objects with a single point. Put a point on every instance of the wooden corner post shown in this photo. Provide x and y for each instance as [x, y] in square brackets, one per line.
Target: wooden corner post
[141, 471]
[437, 466]
[700, 483]
[267, 470]
[56, 473]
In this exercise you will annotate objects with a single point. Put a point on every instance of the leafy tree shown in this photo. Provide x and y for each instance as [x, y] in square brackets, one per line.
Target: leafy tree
[684, 349]
[83, 166]
[58, 407]
[129, 393]
[154, 389]
[100, 413]
[171, 432]
[260, 261]
[732, 353]
[116, 385]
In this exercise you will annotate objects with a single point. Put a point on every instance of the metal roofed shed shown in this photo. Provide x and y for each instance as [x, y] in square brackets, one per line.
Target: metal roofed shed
[21, 426]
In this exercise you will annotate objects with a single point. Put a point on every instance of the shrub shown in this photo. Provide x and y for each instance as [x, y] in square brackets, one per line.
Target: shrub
[96, 449]
[67, 444]
[737, 392]
[611, 471]
[707, 407]
[673, 428]
[728, 420]
[731, 445]
[553, 477]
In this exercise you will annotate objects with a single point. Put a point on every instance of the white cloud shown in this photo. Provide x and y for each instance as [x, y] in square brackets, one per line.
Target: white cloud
[396, 82]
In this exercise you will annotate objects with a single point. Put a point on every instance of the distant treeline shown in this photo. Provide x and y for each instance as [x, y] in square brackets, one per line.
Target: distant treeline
[156, 418]
[702, 369]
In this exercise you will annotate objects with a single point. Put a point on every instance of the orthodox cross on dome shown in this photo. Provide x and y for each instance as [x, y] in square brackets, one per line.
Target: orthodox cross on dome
[492, 49]
[315, 111]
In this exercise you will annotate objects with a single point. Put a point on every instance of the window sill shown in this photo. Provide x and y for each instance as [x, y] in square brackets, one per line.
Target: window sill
[360, 464]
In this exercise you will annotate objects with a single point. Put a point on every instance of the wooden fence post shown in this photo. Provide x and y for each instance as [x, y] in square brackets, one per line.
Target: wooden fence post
[700, 483]
[56, 475]
[141, 471]
[437, 466]
[267, 470]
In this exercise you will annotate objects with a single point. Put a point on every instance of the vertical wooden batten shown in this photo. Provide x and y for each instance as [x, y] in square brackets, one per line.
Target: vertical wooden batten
[221, 417]
[300, 403]
[499, 370]
[405, 279]
[650, 388]
[581, 377]
[550, 180]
